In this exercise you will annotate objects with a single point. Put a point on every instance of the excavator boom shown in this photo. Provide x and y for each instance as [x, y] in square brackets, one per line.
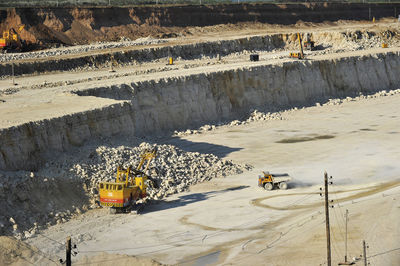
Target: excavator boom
[129, 185]
[299, 55]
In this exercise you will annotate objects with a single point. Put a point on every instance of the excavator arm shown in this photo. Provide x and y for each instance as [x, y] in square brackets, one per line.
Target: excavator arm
[20, 28]
[146, 156]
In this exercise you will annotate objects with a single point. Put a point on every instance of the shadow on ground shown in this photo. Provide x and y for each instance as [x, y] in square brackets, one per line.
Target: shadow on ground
[201, 147]
[187, 199]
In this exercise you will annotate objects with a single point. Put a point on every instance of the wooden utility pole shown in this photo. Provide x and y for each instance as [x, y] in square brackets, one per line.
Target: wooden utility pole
[301, 45]
[68, 252]
[345, 242]
[328, 233]
[365, 253]
[12, 73]
[369, 13]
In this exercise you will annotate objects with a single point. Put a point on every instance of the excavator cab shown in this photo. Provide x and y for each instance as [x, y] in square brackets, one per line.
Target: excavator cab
[309, 45]
[11, 39]
[265, 178]
[129, 186]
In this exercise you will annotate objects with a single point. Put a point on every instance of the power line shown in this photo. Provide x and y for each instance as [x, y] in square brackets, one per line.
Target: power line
[269, 245]
[39, 252]
[383, 253]
[195, 239]
[274, 242]
[341, 215]
[55, 241]
[188, 241]
[18, 255]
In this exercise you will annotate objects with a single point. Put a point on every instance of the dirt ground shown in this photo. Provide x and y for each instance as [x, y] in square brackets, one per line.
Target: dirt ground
[231, 221]
[50, 27]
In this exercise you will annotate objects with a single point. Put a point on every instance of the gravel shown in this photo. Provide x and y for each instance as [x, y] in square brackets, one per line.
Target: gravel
[79, 49]
[66, 187]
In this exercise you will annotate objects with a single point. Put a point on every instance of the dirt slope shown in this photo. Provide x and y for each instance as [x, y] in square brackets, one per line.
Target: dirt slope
[16, 253]
[68, 26]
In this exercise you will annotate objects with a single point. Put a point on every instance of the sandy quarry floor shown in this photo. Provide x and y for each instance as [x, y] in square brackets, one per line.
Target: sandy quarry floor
[231, 221]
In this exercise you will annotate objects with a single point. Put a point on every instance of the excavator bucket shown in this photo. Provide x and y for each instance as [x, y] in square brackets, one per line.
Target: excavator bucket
[129, 186]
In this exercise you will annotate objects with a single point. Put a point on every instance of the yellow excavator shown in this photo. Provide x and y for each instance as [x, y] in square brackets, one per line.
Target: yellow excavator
[11, 40]
[129, 186]
[299, 55]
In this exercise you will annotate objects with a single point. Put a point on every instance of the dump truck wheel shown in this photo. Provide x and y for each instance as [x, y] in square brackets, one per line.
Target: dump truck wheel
[113, 210]
[283, 185]
[268, 186]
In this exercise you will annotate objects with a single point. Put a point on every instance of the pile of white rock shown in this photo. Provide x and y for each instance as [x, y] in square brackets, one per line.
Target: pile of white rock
[33, 200]
[173, 170]
[68, 186]
[254, 115]
[361, 96]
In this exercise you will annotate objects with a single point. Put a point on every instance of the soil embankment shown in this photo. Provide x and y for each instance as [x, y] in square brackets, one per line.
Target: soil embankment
[80, 58]
[47, 27]
[167, 104]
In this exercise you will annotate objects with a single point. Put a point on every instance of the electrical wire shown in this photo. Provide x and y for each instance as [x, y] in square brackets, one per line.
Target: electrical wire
[353, 245]
[39, 252]
[55, 241]
[18, 255]
[185, 242]
[274, 242]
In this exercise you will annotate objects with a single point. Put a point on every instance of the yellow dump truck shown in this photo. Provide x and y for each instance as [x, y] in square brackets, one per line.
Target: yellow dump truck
[129, 186]
[270, 181]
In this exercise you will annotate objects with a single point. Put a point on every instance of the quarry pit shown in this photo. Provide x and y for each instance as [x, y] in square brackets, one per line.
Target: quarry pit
[72, 114]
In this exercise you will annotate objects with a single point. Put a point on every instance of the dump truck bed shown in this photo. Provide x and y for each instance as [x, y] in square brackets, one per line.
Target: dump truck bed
[280, 175]
[283, 178]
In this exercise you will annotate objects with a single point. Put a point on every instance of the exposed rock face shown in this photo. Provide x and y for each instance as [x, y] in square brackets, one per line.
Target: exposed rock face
[98, 55]
[159, 106]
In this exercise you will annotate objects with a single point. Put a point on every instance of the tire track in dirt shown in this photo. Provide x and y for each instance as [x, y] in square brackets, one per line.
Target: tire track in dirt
[369, 191]
[270, 228]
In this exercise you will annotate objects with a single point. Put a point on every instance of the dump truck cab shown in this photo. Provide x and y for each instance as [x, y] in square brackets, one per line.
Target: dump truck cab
[309, 45]
[270, 181]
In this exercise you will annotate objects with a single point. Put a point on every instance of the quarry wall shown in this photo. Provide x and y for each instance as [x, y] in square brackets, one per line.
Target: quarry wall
[160, 106]
[126, 57]
[80, 25]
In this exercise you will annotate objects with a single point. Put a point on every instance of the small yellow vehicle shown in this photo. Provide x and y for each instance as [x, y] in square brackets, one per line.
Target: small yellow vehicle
[129, 186]
[309, 45]
[270, 181]
[11, 40]
[299, 55]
